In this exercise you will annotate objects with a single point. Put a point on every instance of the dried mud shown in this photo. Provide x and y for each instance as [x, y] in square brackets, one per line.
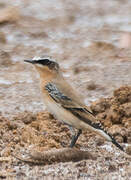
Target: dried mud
[115, 113]
[38, 139]
[92, 43]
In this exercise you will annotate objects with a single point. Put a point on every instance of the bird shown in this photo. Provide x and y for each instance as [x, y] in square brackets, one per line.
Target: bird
[65, 103]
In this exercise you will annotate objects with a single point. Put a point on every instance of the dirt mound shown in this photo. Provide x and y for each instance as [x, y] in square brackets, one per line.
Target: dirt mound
[40, 139]
[115, 113]
[28, 129]
[41, 135]
[42, 132]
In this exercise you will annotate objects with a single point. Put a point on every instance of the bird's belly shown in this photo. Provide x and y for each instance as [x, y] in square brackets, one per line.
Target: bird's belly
[62, 114]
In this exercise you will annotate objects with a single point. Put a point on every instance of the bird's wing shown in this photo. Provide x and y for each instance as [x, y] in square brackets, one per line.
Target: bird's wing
[65, 95]
[71, 103]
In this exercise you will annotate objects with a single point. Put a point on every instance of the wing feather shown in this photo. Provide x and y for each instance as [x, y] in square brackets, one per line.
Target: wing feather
[74, 106]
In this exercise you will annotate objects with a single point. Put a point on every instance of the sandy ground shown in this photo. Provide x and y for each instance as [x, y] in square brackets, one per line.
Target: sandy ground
[92, 43]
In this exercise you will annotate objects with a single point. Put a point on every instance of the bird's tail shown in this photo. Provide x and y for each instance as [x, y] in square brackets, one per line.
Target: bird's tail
[97, 126]
[108, 136]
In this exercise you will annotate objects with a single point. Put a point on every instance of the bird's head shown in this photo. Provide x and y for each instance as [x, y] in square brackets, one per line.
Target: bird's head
[45, 66]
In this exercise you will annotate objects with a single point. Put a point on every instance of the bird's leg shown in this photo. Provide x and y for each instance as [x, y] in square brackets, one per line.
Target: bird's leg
[74, 137]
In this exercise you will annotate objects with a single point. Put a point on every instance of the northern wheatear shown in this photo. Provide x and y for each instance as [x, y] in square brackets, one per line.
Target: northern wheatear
[64, 103]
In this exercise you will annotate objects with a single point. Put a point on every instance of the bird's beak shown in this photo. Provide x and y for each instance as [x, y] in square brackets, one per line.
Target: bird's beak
[30, 61]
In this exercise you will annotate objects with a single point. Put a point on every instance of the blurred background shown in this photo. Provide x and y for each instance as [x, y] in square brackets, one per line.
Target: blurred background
[90, 39]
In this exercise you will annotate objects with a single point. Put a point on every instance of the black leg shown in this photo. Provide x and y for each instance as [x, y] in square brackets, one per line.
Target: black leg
[75, 137]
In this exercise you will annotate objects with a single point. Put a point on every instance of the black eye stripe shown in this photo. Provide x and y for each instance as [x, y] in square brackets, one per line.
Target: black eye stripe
[47, 62]
[44, 62]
